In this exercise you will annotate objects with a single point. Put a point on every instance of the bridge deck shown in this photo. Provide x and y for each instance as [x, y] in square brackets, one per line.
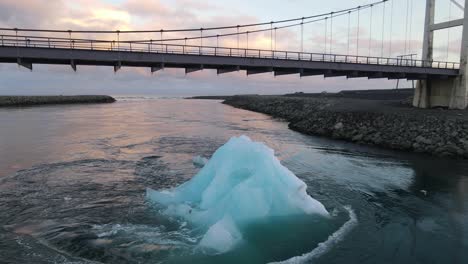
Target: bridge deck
[229, 60]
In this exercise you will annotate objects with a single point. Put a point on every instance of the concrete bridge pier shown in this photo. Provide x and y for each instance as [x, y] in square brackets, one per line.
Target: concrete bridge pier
[459, 91]
[450, 92]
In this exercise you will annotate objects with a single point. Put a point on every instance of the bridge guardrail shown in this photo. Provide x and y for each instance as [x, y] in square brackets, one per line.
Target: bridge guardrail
[159, 47]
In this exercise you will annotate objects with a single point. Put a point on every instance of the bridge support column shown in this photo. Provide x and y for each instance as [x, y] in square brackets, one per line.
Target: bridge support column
[435, 93]
[26, 65]
[451, 93]
[73, 65]
[193, 69]
[157, 68]
[459, 95]
[227, 69]
[117, 66]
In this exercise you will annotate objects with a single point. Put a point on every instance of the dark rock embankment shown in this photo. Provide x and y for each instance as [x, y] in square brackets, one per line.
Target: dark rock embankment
[211, 97]
[11, 101]
[388, 124]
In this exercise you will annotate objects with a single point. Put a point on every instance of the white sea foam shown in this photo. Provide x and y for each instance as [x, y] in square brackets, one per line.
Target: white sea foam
[324, 247]
[145, 234]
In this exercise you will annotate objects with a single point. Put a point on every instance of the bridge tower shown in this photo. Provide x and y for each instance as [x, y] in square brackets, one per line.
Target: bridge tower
[451, 92]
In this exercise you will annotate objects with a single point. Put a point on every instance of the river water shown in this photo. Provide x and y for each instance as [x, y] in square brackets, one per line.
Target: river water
[73, 180]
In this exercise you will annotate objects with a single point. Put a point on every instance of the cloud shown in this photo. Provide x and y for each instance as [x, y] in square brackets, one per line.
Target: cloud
[20, 13]
[146, 9]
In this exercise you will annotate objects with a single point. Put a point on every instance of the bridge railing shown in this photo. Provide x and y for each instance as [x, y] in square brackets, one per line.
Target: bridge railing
[161, 47]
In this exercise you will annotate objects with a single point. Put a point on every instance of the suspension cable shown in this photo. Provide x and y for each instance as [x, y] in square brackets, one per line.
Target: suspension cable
[118, 40]
[326, 34]
[69, 35]
[410, 27]
[383, 32]
[448, 32]
[357, 38]
[406, 26]
[238, 37]
[370, 31]
[196, 29]
[161, 36]
[271, 35]
[275, 39]
[358, 9]
[195, 38]
[391, 31]
[331, 33]
[349, 30]
[302, 36]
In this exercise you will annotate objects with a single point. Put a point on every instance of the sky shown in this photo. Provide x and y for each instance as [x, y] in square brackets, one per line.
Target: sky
[402, 32]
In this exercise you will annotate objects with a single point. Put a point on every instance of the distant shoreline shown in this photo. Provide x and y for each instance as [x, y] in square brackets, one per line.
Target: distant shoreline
[376, 94]
[18, 101]
[392, 124]
[210, 97]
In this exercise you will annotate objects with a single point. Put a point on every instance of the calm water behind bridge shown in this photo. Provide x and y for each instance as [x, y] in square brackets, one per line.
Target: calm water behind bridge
[73, 179]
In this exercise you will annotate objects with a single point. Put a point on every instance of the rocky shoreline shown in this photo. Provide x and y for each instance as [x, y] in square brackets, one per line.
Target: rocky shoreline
[388, 124]
[12, 101]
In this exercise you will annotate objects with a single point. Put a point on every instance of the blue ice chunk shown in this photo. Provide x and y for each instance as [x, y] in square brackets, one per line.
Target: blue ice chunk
[199, 161]
[241, 183]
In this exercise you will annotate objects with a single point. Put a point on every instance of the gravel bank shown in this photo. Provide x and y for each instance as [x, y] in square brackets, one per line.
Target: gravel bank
[388, 124]
[9, 101]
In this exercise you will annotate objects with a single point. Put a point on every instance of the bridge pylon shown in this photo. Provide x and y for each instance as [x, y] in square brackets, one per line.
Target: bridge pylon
[450, 92]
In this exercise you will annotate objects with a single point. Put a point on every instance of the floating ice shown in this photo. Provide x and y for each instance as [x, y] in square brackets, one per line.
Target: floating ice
[243, 182]
[199, 161]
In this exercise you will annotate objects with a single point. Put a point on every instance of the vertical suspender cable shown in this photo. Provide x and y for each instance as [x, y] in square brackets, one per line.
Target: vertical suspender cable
[238, 38]
[391, 30]
[357, 37]
[383, 31]
[16, 36]
[271, 35]
[201, 37]
[370, 30]
[247, 39]
[217, 41]
[201, 41]
[17, 43]
[410, 27]
[448, 32]
[118, 44]
[302, 35]
[161, 38]
[406, 27]
[331, 32]
[326, 33]
[118, 39]
[69, 36]
[275, 38]
[349, 30]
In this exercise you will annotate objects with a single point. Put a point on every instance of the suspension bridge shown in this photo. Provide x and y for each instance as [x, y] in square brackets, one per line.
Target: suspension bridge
[441, 83]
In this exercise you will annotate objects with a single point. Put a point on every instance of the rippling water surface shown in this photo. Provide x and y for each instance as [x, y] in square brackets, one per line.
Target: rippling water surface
[73, 180]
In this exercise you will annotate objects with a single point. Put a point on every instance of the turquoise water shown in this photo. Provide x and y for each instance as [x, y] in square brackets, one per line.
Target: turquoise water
[73, 180]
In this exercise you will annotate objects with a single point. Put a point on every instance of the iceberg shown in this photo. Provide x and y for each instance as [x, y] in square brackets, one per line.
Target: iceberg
[199, 161]
[242, 183]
